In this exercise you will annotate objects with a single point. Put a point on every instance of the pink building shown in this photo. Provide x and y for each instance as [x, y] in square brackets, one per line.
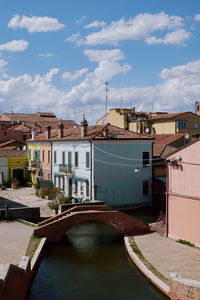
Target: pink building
[183, 193]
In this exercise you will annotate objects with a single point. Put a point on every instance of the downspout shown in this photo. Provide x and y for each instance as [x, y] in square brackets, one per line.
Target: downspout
[167, 199]
[51, 161]
[91, 170]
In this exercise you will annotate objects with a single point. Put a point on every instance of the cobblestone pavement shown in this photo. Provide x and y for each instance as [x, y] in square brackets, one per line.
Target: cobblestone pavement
[167, 256]
[14, 237]
[24, 197]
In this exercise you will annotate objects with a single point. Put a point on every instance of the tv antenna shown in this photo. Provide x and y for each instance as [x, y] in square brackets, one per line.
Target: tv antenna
[106, 83]
[121, 103]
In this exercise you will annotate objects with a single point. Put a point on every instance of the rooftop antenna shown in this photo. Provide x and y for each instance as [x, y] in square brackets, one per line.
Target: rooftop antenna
[75, 114]
[106, 83]
[11, 109]
[121, 103]
[152, 106]
[92, 113]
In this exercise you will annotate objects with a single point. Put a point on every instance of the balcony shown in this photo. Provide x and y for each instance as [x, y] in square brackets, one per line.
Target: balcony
[67, 169]
[34, 165]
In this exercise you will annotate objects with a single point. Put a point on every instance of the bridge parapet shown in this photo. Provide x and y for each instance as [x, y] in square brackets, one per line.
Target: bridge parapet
[56, 227]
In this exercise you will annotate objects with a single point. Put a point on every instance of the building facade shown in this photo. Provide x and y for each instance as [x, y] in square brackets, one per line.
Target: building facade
[102, 162]
[183, 200]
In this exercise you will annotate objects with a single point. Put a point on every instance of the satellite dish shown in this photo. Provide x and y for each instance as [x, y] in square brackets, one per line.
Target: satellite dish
[147, 130]
[186, 135]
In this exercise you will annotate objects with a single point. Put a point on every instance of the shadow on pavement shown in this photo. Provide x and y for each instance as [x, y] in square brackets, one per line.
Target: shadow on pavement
[10, 203]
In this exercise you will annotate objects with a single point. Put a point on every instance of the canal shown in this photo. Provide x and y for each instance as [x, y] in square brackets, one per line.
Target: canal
[90, 263]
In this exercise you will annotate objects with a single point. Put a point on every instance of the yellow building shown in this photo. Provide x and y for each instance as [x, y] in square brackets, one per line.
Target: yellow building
[14, 165]
[116, 117]
[33, 151]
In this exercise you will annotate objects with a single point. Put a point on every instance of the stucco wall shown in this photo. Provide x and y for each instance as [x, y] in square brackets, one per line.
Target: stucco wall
[4, 168]
[184, 195]
[116, 180]
[164, 127]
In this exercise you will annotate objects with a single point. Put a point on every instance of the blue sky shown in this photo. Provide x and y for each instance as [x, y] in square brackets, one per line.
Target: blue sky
[57, 55]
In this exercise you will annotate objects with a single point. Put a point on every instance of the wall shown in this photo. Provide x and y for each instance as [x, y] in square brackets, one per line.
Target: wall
[191, 119]
[116, 180]
[26, 213]
[81, 173]
[116, 117]
[33, 170]
[16, 162]
[164, 127]
[184, 195]
[4, 168]
[45, 165]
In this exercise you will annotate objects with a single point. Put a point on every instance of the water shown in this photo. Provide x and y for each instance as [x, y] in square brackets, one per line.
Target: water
[90, 263]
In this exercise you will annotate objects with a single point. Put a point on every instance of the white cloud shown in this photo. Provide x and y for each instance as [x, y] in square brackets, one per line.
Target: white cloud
[80, 21]
[177, 37]
[197, 18]
[46, 54]
[3, 63]
[35, 24]
[99, 55]
[71, 77]
[95, 24]
[14, 46]
[140, 27]
[73, 38]
[179, 89]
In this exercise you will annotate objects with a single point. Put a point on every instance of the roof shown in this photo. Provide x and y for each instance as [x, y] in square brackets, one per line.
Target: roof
[167, 138]
[183, 147]
[93, 133]
[39, 121]
[169, 116]
[7, 153]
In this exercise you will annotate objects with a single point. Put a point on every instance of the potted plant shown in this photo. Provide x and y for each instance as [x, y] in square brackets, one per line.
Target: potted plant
[54, 205]
[14, 183]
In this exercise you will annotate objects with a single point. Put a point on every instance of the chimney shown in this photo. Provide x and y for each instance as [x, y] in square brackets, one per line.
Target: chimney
[33, 134]
[84, 125]
[106, 132]
[48, 132]
[60, 129]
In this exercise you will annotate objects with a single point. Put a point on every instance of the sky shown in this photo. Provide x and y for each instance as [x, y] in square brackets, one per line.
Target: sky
[56, 56]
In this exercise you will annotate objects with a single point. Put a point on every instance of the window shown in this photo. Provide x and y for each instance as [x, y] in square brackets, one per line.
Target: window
[196, 125]
[76, 186]
[43, 155]
[181, 124]
[29, 154]
[69, 161]
[146, 187]
[87, 188]
[5, 133]
[145, 159]
[55, 157]
[49, 156]
[63, 157]
[76, 159]
[87, 160]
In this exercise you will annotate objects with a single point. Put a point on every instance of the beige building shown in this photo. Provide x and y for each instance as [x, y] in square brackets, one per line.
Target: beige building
[154, 123]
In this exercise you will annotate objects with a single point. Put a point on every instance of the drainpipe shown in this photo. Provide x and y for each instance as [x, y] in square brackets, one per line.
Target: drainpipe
[51, 161]
[167, 198]
[91, 170]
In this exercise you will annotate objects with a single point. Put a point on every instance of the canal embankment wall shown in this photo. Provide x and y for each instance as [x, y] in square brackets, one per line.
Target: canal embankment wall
[15, 280]
[179, 288]
[26, 213]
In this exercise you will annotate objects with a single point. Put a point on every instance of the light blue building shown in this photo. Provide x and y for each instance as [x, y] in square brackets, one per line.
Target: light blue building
[102, 162]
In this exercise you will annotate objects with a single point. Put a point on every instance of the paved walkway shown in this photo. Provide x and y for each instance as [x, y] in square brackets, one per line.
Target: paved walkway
[14, 239]
[24, 197]
[167, 256]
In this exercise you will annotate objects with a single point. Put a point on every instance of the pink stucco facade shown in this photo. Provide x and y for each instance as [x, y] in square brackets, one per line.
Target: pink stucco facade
[183, 199]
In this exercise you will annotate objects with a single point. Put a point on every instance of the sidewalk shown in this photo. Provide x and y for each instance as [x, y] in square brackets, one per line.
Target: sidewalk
[167, 256]
[14, 237]
[24, 197]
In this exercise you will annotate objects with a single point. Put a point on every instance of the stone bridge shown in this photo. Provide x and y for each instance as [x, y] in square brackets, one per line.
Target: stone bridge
[54, 228]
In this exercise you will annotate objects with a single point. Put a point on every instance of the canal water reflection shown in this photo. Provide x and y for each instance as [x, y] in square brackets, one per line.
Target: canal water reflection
[90, 263]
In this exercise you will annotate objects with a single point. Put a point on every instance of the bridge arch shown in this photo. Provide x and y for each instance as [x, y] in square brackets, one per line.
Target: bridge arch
[55, 228]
